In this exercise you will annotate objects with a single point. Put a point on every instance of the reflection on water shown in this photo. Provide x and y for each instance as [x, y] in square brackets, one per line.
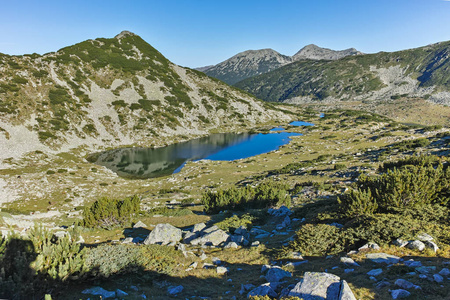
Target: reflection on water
[146, 162]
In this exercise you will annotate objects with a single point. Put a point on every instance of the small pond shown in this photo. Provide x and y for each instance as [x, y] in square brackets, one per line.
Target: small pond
[144, 163]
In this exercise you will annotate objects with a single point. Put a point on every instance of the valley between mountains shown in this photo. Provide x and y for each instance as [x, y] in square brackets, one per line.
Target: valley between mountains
[357, 199]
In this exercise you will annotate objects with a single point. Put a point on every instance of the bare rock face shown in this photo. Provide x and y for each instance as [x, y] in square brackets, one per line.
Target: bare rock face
[163, 234]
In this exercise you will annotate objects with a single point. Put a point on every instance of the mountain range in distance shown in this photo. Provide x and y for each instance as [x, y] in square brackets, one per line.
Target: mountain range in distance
[256, 62]
[316, 74]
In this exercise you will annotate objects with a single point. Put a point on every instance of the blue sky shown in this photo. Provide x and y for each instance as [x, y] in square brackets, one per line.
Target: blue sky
[195, 33]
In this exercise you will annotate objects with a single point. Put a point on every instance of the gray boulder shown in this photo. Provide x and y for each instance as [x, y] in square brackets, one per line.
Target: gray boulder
[400, 243]
[214, 238]
[163, 234]
[444, 272]
[432, 246]
[282, 211]
[373, 246]
[231, 245]
[375, 272]
[349, 262]
[198, 227]
[174, 290]
[262, 290]
[383, 258]
[316, 286]
[438, 278]
[397, 294]
[346, 292]
[416, 245]
[404, 284]
[275, 274]
[425, 237]
[99, 291]
[139, 224]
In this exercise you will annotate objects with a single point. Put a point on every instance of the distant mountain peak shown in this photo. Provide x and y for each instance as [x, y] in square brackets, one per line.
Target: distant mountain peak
[124, 34]
[312, 51]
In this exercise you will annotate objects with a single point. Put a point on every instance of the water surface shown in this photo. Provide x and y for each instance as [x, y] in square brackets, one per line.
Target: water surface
[148, 162]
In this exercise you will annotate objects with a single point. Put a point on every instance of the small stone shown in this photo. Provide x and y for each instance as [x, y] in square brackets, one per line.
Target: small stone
[295, 255]
[222, 270]
[373, 278]
[275, 274]
[413, 264]
[432, 246]
[262, 290]
[127, 240]
[208, 266]
[425, 270]
[349, 270]
[438, 278]
[349, 262]
[139, 224]
[423, 276]
[120, 293]
[425, 237]
[373, 246]
[216, 261]
[175, 290]
[375, 272]
[198, 227]
[416, 245]
[231, 245]
[192, 266]
[400, 243]
[255, 244]
[297, 263]
[444, 272]
[382, 284]
[99, 291]
[404, 284]
[240, 230]
[203, 256]
[397, 294]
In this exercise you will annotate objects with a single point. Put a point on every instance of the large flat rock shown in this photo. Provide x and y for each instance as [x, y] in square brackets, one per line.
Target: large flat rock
[317, 286]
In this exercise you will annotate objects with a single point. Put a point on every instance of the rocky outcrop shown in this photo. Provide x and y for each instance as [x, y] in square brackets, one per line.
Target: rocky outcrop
[163, 234]
[322, 286]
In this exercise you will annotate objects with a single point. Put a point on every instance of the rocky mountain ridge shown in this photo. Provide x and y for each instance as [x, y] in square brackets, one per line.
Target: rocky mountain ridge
[256, 62]
[420, 72]
[112, 92]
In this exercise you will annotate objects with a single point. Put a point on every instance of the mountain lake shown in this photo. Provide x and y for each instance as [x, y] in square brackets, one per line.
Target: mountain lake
[141, 163]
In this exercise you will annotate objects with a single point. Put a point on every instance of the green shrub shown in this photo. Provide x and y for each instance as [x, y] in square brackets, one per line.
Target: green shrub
[423, 160]
[265, 195]
[31, 264]
[107, 213]
[318, 240]
[357, 203]
[108, 260]
[233, 222]
[408, 187]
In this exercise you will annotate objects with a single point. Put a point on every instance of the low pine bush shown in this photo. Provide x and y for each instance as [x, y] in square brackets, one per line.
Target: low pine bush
[107, 213]
[265, 195]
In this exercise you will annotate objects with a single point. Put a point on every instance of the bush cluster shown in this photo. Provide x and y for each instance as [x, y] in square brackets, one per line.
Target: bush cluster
[33, 263]
[410, 186]
[264, 195]
[411, 197]
[107, 212]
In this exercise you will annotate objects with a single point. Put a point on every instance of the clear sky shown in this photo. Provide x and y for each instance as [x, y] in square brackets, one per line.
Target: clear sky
[196, 33]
